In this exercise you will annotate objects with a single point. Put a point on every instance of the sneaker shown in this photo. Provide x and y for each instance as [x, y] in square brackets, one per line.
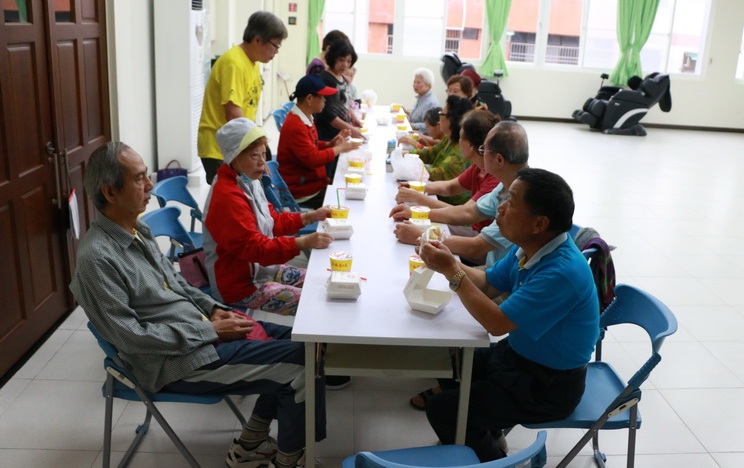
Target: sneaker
[238, 456]
[337, 382]
[276, 462]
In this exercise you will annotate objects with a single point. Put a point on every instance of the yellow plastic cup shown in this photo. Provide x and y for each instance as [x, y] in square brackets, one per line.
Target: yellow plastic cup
[340, 261]
[414, 261]
[417, 185]
[420, 212]
[356, 162]
[339, 212]
[400, 118]
[395, 107]
[402, 127]
[352, 178]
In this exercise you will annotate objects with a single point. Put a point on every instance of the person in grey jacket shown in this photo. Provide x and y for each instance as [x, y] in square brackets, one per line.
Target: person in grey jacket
[175, 337]
[423, 80]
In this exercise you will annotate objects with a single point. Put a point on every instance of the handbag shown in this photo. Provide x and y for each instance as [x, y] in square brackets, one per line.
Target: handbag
[258, 332]
[167, 172]
[193, 268]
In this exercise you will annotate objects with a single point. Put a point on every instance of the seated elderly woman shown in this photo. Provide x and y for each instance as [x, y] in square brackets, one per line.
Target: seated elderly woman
[246, 241]
[423, 80]
[444, 161]
[433, 132]
[301, 155]
[466, 85]
[474, 129]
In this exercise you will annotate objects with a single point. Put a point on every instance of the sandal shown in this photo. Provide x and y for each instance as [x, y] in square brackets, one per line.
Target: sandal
[425, 395]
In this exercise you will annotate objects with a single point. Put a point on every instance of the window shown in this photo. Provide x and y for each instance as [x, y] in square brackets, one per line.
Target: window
[411, 28]
[583, 33]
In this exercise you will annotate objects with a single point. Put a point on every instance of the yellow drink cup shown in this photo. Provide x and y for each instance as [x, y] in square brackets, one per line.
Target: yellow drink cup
[339, 212]
[356, 162]
[395, 107]
[400, 118]
[402, 127]
[414, 261]
[420, 212]
[352, 178]
[417, 185]
[340, 261]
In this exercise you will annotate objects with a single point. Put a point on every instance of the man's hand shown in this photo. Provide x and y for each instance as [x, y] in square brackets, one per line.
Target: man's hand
[229, 325]
[438, 257]
[408, 233]
[406, 194]
[400, 212]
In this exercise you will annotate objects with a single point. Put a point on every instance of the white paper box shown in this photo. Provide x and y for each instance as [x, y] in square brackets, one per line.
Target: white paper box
[420, 222]
[343, 285]
[420, 297]
[356, 170]
[356, 191]
[339, 228]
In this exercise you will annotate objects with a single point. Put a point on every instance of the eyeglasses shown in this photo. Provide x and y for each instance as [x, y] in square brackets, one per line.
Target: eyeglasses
[481, 149]
[257, 156]
[277, 47]
[444, 114]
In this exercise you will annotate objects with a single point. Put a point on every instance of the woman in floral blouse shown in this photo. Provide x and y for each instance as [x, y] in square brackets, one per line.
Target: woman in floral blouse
[444, 161]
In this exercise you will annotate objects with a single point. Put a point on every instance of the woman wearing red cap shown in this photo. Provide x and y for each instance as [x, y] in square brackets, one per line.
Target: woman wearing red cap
[302, 157]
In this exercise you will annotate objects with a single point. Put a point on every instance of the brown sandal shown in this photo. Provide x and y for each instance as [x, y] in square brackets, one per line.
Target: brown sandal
[425, 395]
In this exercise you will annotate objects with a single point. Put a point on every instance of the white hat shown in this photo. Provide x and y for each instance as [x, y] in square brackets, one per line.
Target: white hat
[237, 135]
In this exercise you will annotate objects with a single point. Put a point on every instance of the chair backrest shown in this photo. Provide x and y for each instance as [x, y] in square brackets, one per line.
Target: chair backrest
[281, 114]
[165, 222]
[534, 455]
[633, 305]
[174, 189]
[281, 189]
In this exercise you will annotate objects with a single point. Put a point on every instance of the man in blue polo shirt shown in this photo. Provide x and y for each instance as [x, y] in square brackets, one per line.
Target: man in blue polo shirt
[537, 373]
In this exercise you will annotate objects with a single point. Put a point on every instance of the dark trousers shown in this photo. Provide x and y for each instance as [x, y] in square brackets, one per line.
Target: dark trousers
[272, 369]
[507, 390]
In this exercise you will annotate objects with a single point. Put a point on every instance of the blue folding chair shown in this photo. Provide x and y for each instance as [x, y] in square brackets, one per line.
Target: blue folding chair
[281, 195]
[165, 222]
[608, 402]
[121, 383]
[174, 189]
[452, 456]
[281, 114]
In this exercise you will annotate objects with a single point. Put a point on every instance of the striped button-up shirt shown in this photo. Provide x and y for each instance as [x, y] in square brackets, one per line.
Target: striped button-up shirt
[137, 301]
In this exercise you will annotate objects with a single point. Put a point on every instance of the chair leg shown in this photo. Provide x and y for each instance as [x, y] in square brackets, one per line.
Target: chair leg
[599, 457]
[152, 410]
[632, 435]
[583, 441]
[139, 434]
[235, 410]
[107, 421]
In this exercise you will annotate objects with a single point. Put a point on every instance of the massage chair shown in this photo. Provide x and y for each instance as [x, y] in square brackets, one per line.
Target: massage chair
[489, 92]
[618, 111]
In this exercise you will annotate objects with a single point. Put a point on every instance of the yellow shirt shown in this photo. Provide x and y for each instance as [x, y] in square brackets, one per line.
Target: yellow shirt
[234, 78]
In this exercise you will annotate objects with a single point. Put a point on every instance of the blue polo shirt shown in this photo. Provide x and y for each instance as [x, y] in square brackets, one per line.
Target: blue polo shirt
[553, 303]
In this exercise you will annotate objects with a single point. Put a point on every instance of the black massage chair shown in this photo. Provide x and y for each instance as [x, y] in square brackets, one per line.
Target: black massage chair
[489, 92]
[618, 111]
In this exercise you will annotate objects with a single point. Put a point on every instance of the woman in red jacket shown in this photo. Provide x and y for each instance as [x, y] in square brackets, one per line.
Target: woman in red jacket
[246, 242]
[302, 157]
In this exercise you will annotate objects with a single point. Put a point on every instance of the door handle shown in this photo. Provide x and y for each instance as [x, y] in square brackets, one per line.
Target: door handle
[51, 150]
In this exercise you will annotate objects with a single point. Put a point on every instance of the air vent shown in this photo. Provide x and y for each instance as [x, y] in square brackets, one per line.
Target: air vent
[197, 5]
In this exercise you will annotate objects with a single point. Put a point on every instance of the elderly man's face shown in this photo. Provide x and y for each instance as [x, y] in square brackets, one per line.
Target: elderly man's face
[134, 195]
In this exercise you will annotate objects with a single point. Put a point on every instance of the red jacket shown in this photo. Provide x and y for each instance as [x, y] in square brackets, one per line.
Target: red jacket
[302, 158]
[232, 234]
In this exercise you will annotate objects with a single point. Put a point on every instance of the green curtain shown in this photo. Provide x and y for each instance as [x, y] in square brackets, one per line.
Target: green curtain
[22, 12]
[635, 19]
[315, 12]
[497, 14]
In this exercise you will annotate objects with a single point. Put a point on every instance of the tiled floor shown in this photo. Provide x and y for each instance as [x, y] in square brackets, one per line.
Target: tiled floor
[669, 202]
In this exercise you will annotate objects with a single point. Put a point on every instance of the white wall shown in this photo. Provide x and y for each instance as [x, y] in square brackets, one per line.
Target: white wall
[713, 99]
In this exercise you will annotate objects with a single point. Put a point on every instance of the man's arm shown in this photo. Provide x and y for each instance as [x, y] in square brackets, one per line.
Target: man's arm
[458, 214]
[474, 290]
[232, 111]
[470, 247]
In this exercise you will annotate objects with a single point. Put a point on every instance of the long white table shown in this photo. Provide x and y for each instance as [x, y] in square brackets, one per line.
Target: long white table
[378, 334]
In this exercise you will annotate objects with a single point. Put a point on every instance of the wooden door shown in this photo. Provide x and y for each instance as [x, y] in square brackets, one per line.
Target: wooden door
[53, 111]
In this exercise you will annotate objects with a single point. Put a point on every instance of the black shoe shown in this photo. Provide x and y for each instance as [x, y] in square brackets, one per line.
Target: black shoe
[337, 382]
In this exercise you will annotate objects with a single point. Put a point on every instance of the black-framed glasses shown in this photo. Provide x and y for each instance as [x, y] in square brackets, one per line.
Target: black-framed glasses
[444, 114]
[277, 47]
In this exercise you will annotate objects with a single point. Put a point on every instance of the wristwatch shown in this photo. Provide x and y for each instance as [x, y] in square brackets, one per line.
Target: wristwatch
[454, 282]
